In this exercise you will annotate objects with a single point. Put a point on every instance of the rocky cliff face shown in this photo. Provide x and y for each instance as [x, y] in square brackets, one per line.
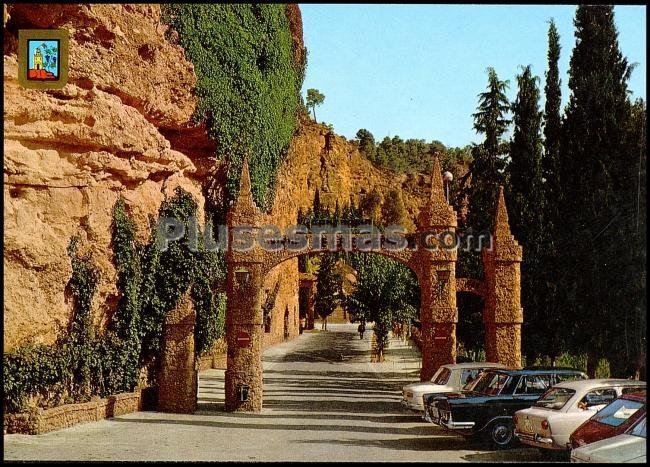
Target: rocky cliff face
[122, 126]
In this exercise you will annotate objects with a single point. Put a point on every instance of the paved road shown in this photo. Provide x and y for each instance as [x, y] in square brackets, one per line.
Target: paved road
[324, 401]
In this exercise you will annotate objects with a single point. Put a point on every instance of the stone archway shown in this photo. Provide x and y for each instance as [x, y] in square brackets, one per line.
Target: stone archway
[432, 262]
[434, 268]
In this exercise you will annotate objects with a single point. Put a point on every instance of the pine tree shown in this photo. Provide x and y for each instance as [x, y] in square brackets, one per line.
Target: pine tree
[487, 166]
[366, 143]
[594, 164]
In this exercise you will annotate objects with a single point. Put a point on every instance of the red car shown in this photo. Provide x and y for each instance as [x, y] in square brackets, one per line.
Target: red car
[611, 420]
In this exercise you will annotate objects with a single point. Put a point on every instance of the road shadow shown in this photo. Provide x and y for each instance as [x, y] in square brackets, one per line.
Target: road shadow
[221, 423]
[508, 455]
[419, 443]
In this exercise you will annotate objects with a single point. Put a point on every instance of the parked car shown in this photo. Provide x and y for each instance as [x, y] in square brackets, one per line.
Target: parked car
[488, 408]
[563, 408]
[611, 421]
[629, 447]
[448, 378]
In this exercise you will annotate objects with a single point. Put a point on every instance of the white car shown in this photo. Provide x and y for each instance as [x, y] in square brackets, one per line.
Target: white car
[448, 378]
[564, 407]
[630, 447]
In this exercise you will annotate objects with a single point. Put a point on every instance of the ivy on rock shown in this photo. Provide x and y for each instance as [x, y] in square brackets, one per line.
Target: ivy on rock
[85, 363]
[248, 84]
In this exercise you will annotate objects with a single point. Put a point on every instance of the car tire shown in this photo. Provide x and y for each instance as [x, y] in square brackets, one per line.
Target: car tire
[502, 434]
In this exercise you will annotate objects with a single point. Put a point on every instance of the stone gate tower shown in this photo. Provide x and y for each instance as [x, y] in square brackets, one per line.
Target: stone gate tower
[244, 315]
[503, 314]
[436, 270]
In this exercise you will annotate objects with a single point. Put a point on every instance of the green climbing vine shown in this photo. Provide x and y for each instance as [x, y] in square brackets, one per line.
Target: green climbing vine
[83, 363]
[49, 375]
[248, 84]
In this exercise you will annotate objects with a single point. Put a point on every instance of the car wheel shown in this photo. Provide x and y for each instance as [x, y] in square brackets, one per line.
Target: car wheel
[502, 434]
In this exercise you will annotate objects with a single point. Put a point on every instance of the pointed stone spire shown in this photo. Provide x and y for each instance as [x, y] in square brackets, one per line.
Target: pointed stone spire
[245, 181]
[244, 211]
[506, 246]
[437, 213]
[437, 194]
[501, 221]
[245, 196]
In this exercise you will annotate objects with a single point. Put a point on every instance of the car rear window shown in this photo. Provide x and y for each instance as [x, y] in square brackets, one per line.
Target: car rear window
[443, 377]
[617, 412]
[555, 398]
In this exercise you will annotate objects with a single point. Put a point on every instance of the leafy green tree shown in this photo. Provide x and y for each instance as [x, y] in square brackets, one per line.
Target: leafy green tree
[328, 287]
[599, 200]
[486, 168]
[314, 99]
[386, 292]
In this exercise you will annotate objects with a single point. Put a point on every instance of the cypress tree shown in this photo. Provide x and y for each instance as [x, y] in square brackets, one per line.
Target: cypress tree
[594, 163]
[526, 205]
[552, 122]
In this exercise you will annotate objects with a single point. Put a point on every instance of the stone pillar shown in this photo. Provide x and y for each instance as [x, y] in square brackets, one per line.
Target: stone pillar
[244, 319]
[438, 315]
[244, 315]
[435, 262]
[503, 314]
[178, 380]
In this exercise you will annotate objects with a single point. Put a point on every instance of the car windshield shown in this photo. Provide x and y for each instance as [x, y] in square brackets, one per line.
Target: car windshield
[639, 429]
[442, 376]
[491, 383]
[555, 398]
[617, 412]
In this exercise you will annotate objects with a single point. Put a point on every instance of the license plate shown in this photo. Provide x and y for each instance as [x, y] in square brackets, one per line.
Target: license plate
[528, 426]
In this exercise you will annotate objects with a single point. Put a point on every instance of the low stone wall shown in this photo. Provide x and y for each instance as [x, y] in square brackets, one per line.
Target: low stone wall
[44, 420]
[216, 357]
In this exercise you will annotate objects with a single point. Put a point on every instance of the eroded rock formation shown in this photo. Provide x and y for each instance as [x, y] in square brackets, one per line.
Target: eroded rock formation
[122, 126]
[69, 154]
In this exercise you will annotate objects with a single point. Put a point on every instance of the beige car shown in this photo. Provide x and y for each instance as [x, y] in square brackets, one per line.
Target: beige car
[448, 378]
[564, 407]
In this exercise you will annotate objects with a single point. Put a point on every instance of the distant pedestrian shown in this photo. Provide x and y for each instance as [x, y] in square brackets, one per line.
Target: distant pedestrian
[361, 329]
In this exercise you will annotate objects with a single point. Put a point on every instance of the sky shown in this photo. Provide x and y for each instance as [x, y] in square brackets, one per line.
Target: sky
[416, 70]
